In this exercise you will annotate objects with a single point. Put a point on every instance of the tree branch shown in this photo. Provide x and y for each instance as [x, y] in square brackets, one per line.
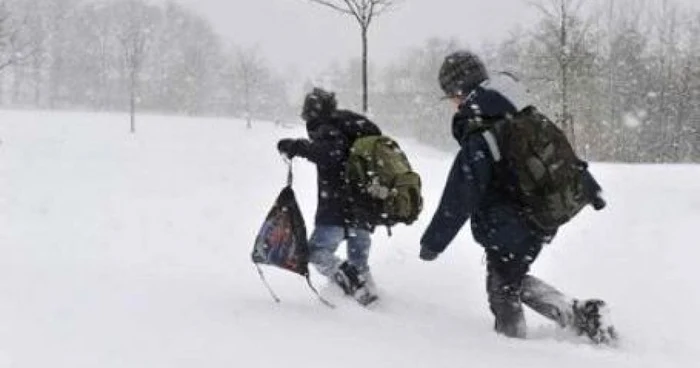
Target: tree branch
[371, 11]
[541, 8]
[6, 63]
[355, 11]
[364, 11]
[382, 6]
[334, 6]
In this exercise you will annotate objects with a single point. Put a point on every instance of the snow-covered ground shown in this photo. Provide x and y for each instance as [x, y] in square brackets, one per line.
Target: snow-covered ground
[134, 251]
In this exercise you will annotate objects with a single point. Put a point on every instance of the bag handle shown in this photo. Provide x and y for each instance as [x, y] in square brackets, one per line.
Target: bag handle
[290, 176]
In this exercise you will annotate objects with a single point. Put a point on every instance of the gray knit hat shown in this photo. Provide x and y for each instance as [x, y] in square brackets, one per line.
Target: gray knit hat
[460, 73]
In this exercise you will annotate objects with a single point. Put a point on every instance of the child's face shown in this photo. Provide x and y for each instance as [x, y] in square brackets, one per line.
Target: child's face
[456, 101]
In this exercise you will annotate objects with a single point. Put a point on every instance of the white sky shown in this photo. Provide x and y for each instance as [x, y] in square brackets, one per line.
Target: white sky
[309, 36]
[304, 38]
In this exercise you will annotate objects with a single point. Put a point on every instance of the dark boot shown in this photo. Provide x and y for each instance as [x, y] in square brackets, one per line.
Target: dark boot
[347, 278]
[353, 284]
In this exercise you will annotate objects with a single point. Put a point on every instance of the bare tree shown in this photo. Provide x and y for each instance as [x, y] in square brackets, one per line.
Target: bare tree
[686, 90]
[565, 39]
[408, 101]
[39, 20]
[17, 45]
[134, 37]
[249, 74]
[694, 121]
[364, 12]
[14, 45]
[623, 60]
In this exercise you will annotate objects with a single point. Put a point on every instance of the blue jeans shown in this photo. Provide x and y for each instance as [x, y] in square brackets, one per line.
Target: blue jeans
[325, 241]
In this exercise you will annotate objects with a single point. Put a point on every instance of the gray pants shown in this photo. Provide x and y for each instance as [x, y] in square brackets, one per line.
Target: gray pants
[509, 286]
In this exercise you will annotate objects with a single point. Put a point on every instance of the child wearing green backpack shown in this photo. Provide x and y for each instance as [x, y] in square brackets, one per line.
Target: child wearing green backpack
[331, 133]
[518, 180]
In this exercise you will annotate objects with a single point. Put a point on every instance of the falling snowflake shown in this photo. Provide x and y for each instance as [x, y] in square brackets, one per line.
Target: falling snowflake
[631, 121]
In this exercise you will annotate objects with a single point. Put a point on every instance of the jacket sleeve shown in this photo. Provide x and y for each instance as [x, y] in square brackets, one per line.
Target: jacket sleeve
[466, 184]
[593, 191]
[327, 147]
[590, 186]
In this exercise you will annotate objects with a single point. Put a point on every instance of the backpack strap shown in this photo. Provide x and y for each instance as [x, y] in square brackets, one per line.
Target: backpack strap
[307, 276]
[290, 175]
[315, 291]
[267, 285]
[491, 141]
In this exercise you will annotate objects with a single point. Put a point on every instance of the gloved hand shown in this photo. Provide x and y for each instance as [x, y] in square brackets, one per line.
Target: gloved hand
[598, 202]
[427, 254]
[288, 147]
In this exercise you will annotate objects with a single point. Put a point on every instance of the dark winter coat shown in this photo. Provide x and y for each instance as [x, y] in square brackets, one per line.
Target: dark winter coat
[474, 187]
[328, 147]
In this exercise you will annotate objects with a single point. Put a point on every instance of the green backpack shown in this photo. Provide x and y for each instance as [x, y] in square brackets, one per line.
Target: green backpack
[384, 190]
[541, 167]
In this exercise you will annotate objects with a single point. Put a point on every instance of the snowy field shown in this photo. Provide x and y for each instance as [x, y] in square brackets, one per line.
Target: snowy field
[134, 251]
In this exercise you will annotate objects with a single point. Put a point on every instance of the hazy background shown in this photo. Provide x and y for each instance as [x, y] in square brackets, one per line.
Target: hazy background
[624, 85]
[306, 37]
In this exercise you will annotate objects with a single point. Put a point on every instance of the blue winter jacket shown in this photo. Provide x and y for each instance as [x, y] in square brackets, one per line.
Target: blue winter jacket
[471, 191]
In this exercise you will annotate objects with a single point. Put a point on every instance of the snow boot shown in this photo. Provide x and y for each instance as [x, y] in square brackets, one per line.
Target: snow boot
[367, 294]
[353, 284]
[591, 318]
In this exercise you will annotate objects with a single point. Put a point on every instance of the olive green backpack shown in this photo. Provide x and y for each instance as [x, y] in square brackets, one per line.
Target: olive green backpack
[384, 190]
[546, 176]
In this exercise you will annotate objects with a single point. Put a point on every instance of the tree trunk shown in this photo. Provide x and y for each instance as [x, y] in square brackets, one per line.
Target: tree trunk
[365, 96]
[38, 82]
[567, 119]
[249, 123]
[18, 76]
[682, 114]
[132, 102]
[2, 89]
[612, 65]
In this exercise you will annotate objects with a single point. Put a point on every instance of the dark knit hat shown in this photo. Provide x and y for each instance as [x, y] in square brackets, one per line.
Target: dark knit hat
[318, 104]
[460, 73]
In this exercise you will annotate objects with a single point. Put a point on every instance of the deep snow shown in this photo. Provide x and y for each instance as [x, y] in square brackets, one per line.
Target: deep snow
[134, 251]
